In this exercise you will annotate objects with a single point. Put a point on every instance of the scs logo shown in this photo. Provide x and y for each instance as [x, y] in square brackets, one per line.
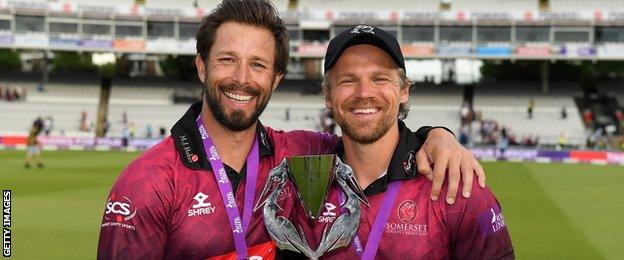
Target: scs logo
[120, 209]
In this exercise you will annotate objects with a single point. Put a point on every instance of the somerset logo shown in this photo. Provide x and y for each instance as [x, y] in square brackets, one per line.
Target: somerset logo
[491, 221]
[363, 28]
[119, 209]
[407, 211]
[201, 207]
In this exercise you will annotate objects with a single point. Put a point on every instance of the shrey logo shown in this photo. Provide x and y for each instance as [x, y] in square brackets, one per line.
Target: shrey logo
[329, 215]
[407, 211]
[202, 207]
[201, 201]
[119, 209]
[363, 28]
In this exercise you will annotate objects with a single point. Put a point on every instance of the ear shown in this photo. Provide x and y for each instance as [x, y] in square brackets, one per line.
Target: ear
[201, 68]
[278, 79]
[404, 93]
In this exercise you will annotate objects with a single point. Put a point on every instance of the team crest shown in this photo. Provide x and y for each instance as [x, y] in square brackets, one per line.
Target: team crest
[407, 211]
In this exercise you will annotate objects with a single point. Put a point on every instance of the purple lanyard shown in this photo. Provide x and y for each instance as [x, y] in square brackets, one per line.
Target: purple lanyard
[225, 188]
[376, 231]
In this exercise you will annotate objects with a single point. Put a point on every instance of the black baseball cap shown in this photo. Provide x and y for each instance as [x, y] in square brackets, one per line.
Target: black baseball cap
[363, 34]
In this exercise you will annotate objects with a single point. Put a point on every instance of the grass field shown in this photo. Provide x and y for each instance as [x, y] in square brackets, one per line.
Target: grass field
[554, 211]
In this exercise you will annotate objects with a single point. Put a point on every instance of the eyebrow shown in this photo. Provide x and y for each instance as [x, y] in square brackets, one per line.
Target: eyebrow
[347, 74]
[254, 58]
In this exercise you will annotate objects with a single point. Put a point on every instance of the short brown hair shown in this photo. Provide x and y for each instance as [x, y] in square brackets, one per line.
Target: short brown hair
[259, 13]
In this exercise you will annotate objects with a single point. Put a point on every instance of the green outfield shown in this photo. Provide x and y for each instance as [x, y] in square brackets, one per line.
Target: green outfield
[554, 211]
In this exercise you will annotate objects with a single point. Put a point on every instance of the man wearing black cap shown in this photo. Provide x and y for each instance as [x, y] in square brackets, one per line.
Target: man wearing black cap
[367, 90]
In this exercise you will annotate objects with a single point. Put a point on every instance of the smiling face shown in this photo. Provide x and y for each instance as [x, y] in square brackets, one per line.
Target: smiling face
[365, 92]
[239, 74]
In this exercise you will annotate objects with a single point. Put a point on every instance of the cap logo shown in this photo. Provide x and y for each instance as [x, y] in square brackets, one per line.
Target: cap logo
[363, 28]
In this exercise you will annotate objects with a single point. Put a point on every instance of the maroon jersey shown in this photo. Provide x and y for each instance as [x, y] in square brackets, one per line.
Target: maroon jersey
[166, 204]
[417, 227]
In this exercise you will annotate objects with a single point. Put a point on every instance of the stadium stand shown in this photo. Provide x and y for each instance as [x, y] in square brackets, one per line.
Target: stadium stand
[170, 3]
[105, 3]
[368, 5]
[494, 5]
[576, 5]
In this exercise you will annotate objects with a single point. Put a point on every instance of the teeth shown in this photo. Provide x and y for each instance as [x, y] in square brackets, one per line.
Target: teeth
[364, 110]
[237, 97]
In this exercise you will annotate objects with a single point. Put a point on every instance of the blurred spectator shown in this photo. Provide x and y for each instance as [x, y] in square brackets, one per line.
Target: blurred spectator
[328, 124]
[287, 114]
[564, 113]
[530, 107]
[124, 118]
[563, 142]
[48, 125]
[465, 114]
[1, 93]
[106, 127]
[85, 126]
[162, 132]
[619, 117]
[34, 147]
[38, 124]
[18, 94]
[148, 131]
[464, 135]
[503, 143]
[132, 129]
[588, 117]
[9, 94]
[125, 135]
[40, 87]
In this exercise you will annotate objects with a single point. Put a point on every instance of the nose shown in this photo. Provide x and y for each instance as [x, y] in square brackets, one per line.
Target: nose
[241, 74]
[364, 90]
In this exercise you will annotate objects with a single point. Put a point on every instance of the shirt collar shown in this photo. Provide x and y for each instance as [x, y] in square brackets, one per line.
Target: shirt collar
[402, 165]
[190, 146]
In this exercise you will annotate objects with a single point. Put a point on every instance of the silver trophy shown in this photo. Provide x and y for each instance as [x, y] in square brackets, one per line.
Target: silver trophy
[313, 177]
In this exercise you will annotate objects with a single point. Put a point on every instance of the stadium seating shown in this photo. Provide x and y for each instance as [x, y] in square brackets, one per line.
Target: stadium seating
[429, 106]
[576, 5]
[169, 3]
[368, 5]
[494, 5]
[108, 2]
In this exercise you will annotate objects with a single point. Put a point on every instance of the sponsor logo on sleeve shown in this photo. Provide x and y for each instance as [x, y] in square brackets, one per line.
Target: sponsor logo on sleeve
[119, 211]
[202, 206]
[491, 221]
[407, 211]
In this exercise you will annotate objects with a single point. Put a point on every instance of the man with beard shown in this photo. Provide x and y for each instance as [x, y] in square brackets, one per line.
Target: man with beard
[366, 88]
[191, 196]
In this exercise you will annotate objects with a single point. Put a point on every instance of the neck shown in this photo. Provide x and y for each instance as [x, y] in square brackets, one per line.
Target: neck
[233, 146]
[369, 161]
